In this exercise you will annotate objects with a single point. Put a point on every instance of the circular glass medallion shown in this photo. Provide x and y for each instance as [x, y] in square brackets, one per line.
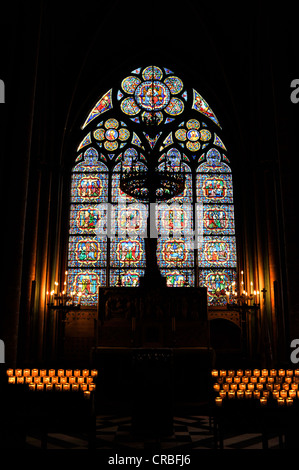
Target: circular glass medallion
[174, 84]
[111, 145]
[123, 134]
[152, 72]
[152, 95]
[111, 134]
[205, 135]
[181, 134]
[193, 135]
[130, 84]
[193, 124]
[193, 146]
[99, 134]
[175, 107]
[111, 123]
[129, 106]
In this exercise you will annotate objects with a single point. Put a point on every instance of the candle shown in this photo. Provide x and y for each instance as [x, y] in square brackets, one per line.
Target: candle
[26, 372]
[248, 394]
[9, 372]
[250, 386]
[54, 380]
[60, 372]
[263, 401]
[40, 387]
[36, 379]
[222, 393]
[75, 387]
[32, 387]
[264, 372]
[72, 380]
[34, 372]
[214, 373]
[231, 373]
[89, 380]
[51, 372]
[256, 394]
[85, 372]
[281, 372]
[68, 373]
[273, 373]
[289, 401]
[283, 393]
[240, 394]
[66, 387]
[292, 393]
[231, 394]
[275, 394]
[43, 372]
[237, 380]
[28, 380]
[77, 373]
[256, 372]
[58, 387]
[280, 401]
[12, 380]
[247, 372]
[289, 372]
[86, 394]
[46, 379]
[18, 372]
[218, 401]
[239, 372]
[49, 387]
[92, 387]
[83, 387]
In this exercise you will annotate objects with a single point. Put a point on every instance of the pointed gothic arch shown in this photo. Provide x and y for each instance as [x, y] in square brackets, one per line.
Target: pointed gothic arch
[196, 232]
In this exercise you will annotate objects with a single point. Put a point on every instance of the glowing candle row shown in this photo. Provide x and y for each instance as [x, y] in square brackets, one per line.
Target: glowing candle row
[51, 372]
[255, 373]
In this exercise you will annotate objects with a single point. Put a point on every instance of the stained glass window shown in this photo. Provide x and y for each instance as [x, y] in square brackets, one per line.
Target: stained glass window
[88, 227]
[217, 258]
[196, 243]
